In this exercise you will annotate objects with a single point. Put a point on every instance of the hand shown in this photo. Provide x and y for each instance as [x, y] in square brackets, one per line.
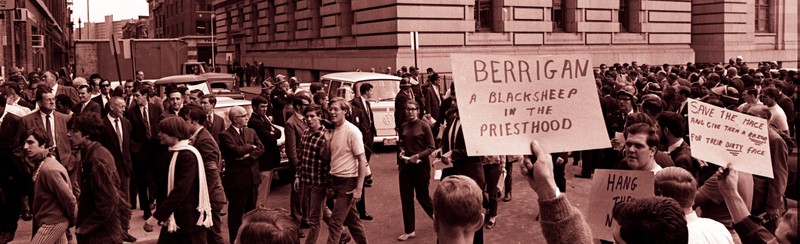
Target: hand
[772, 214]
[540, 173]
[728, 179]
[414, 159]
[356, 194]
[446, 160]
[149, 224]
[296, 185]
[560, 161]
[615, 143]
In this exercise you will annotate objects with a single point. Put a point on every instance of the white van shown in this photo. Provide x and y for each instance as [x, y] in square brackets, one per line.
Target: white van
[385, 87]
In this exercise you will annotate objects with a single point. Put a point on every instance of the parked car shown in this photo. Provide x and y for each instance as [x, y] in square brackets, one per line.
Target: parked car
[385, 87]
[207, 84]
[223, 106]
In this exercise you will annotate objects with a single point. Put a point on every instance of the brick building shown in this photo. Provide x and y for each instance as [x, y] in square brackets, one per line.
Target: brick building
[189, 20]
[36, 35]
[308, 38]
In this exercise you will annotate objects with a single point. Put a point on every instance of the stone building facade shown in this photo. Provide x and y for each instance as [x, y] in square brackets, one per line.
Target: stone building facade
[309, 38]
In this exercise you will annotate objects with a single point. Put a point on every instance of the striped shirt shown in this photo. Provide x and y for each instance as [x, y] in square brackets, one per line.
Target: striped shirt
[312, 169]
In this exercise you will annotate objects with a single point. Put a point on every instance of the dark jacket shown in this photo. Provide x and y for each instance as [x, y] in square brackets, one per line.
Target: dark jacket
[240, 171]
[294, 129]
[212, 161]
[103, 107]
[99, 217]
[364, 124]
[11, 168]
[69, 91]
[268, 136]
[682, 157]
[183, 199]
[110, 140]
[139, 140]
[215, 127]
[91, 106]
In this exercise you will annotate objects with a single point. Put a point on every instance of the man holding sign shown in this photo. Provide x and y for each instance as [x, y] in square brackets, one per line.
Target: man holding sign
[768, 193]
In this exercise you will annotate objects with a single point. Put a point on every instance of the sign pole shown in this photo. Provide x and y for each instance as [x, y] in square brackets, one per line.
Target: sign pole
[116, 57]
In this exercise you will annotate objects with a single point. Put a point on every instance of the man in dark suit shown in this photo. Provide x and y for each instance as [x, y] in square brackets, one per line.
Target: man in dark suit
[11, 175]
[55, 124]
[207, 146]
[144, 141]
[104, 96]
[240, 148]
[672, 130]
[86, 104]
[213, 123]
[55, 88]
[295, 127]
[400, 102]
[433, 99]
[362, 117]
[463, 164]
[116, 137]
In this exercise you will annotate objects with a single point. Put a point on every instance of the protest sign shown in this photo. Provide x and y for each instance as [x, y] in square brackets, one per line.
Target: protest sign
[610, 187]
[505, 102]
[721, 136]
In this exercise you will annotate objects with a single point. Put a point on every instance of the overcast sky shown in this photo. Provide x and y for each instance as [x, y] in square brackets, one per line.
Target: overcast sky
[121, 9]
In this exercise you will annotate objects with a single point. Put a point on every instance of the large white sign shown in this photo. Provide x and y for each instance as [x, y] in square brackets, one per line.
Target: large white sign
[505, 102]
[721, 136]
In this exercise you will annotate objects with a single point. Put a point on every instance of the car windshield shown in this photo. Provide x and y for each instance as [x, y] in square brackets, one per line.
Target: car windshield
[384, 90]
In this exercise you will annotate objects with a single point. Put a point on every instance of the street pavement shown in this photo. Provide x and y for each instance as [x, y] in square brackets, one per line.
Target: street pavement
[515, 223]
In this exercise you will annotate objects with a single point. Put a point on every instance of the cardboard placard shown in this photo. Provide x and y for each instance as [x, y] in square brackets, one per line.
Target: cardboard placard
[721, 136]
[610, 187]
[505, 102]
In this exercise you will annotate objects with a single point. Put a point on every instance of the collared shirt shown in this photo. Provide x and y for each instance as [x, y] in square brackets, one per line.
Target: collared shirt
[3, 117]
[703, 230]
[52, 123]
[117, 122]
[672, 147]
[312, 169]
[55, 89]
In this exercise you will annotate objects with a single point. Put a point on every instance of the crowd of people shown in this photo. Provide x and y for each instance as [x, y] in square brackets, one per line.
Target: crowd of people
[83, 155]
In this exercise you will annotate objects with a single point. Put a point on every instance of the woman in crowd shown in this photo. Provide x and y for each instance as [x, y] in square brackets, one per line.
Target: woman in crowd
[416, 144]
[53, 203]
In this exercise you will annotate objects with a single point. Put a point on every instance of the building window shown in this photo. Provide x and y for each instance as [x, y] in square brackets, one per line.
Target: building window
[483, 16]
[624, 12]
[271, 28]
[254, 20]
[764, 16]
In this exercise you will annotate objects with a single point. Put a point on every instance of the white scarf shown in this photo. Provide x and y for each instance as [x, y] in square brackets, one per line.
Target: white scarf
[204, 204]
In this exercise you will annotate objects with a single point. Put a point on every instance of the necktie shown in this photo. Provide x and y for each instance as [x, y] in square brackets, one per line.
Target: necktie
[83, 107]
[241, 133]
[210, 121]
[119, 132]
[146, 120]
[369, 111]
[49, 129]
[453, 133]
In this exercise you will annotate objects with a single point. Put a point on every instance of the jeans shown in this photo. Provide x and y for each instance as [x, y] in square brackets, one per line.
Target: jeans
[315, 213]
[344, 211]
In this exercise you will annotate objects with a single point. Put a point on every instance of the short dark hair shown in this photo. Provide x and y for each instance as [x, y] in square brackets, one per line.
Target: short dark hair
[89, 124]
[13, 86]
[41, 136]
[40, 92]
[365, 88]
[318, 96]
[3, 100]
[771, 92]
[676, 183]
[298, 100]
[84, 86]
[64, 100]
[211, 98]
[651, 220]
[258, 100]
[269, 226]
[198, 91]
[312, 108]
[672, 121]
[193, 112]
[174, 127]
[642, 128]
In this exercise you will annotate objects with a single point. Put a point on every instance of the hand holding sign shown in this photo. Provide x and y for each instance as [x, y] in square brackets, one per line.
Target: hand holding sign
[611, 187]
[540, 172]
